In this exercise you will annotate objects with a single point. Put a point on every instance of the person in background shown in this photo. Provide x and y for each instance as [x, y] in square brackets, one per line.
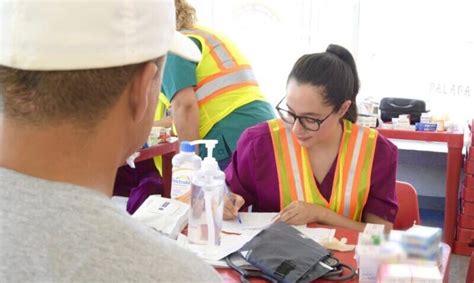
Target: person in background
[217, 97]
[79, 83]
[314, 164]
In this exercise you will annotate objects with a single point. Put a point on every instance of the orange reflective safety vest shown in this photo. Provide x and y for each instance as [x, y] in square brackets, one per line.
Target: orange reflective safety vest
[225, 80]
[351, 183]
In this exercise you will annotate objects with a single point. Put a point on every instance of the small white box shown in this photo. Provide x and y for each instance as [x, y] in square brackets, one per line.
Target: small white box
[168, 216]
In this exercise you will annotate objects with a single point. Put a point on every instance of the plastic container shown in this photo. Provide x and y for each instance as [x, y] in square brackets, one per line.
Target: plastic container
[185, 163]
[207, 202]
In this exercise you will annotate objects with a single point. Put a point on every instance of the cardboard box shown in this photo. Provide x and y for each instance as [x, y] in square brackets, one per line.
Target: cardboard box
[465, 235]
[469, 181]
[468, 194]
[469, 167]
[468, 208]
[462, 248]
[401, 273]
[470, 152]
[466, 221]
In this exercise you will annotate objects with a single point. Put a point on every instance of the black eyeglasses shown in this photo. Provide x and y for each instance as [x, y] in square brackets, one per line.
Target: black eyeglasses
[310, 124]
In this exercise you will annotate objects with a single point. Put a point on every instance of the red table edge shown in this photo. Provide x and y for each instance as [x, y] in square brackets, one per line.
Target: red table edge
[167, 151]
[158, 149]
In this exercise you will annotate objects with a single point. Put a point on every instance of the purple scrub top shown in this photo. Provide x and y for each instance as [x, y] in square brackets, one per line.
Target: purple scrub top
[252, 174]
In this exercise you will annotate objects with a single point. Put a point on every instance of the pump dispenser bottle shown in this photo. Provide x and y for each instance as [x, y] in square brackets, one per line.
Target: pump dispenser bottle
[185, 163]
[207, 201]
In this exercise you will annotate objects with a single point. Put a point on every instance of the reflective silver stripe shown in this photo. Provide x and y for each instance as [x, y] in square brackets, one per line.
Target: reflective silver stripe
[352, 171]
[294, 164]
[215, 44]
[225, 81]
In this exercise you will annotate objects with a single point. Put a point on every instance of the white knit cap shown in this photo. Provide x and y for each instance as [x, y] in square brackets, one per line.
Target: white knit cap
[82, 34]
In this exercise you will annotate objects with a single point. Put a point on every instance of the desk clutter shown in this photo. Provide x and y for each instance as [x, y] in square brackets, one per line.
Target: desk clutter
[414, 255]
[403, 114]
[159, 135]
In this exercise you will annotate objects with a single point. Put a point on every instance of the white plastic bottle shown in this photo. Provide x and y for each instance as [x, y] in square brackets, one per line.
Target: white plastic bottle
[184, 165]
[207, 202]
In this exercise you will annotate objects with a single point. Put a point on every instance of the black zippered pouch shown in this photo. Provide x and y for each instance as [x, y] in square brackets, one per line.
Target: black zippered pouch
[280, 253]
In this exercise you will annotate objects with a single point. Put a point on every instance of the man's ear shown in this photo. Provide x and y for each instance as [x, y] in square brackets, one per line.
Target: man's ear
[344, 108]
[139, 90]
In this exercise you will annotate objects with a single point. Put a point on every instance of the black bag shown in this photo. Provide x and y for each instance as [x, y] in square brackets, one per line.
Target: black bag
[280, 253]
[392, 107]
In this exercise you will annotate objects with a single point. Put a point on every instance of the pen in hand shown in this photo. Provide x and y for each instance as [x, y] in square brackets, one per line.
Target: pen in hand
[233, 200]
[238, 215]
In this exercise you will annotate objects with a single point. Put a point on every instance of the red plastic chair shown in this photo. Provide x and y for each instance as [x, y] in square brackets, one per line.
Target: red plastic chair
[470, 270]
[408, 211]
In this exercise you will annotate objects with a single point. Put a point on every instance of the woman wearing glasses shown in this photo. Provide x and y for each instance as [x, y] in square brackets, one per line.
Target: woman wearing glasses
[315, 164]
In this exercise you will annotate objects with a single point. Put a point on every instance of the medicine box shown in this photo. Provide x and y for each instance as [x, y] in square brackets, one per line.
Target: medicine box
[426, 127]
[422, 241]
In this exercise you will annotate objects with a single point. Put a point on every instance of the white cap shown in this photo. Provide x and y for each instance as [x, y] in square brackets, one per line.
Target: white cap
[80, 34]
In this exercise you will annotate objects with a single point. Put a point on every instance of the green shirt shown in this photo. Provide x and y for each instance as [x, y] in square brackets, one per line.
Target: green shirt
[180, 73]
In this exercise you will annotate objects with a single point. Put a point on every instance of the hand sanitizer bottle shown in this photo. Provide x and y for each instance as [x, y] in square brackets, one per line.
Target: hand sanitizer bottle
[185, 163]
[207, 201]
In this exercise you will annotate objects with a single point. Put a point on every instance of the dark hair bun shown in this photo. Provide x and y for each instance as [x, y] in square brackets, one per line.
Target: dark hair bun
[340, 52]
[344, 54]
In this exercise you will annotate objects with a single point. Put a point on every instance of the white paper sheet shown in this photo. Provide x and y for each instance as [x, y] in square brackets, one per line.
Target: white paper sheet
[229, 244]
[261, 220]
[250, 221]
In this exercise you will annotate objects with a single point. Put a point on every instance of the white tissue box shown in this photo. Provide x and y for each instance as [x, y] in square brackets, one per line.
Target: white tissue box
[168, 216]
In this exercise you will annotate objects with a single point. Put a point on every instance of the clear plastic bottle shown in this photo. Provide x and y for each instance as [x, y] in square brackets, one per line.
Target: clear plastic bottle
[185, 163]
[207, 201]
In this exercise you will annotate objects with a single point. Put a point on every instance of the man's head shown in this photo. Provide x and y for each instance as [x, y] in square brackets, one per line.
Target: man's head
[70, 62]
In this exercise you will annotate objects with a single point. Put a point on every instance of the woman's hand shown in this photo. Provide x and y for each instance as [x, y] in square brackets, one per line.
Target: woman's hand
[300, 212]
[232, 204]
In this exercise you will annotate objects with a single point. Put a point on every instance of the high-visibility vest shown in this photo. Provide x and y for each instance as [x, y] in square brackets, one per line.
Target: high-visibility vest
[160, 112]
[163, 105]
[351, 183]
[225, 80]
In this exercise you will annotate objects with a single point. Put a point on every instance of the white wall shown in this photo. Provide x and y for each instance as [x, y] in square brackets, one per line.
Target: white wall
[422, 49]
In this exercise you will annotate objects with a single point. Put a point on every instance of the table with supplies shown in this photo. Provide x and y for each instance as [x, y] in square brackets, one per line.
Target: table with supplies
[229, 275]
[303, 250]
